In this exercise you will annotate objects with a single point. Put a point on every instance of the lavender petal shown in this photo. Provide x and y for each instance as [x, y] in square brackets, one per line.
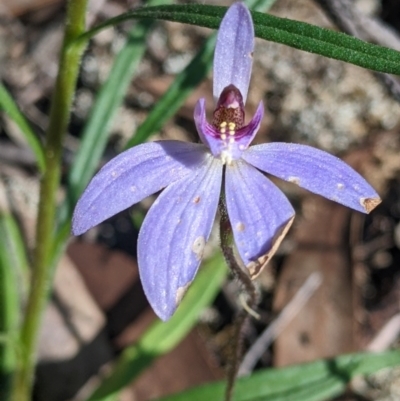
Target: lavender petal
[210, 136]
[246, 134]
[173, 235]
[132, 176]
[315, 170]
[233, 56]
[207, 133]
[259, 212]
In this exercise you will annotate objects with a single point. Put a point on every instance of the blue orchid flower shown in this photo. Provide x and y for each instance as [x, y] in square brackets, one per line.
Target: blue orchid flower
[177, 226]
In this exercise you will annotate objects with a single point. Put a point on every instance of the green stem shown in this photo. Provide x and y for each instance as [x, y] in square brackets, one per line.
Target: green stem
[58, 123]
[226, 236]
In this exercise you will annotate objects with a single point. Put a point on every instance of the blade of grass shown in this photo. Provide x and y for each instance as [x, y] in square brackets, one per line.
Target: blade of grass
[13, 251]
[11, 109]
[13, 265]
[296, 34]
[177, 93]
[108, 100]
[162, 337]
[307, 382]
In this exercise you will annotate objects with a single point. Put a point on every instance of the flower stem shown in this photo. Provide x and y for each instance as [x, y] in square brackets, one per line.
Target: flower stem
[41, 267]
[242, 317]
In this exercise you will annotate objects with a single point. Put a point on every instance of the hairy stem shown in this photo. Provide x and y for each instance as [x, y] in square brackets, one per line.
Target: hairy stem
[242, 317]
[41, 266]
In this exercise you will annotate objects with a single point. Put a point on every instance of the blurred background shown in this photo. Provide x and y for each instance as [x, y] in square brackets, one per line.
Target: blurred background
[97, 307]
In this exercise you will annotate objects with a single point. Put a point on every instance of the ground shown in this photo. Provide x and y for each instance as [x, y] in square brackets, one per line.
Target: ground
[337, 107]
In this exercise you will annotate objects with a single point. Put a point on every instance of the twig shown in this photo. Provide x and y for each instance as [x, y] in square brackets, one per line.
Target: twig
[276, 327]
[359, 25]
[386, 336]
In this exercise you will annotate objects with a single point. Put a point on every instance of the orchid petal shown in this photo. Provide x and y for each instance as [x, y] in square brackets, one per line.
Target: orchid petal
[246, 134]
[259, 212]
[207, 132]
[315, 170]
[132, 176]
[233, 56]
[212, 138]
[173, 235]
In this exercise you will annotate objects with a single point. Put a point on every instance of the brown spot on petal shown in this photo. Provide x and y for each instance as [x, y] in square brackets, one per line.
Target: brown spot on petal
[196, 199]
[198, 247]
[256, 267]
[180, 293]
[240, 227]
[370, 204]
[294, 180]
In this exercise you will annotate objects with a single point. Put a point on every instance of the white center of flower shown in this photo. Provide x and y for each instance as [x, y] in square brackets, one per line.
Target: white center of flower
[227, 130]
[226, 157]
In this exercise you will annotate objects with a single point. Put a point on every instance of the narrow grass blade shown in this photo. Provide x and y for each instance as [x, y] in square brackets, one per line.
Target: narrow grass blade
[96, 131]
[315, 381]
[13, 252]
[108, 100]
[11, 109]
[13, 264]
[177, 93]
[162, 337]
[296, 34]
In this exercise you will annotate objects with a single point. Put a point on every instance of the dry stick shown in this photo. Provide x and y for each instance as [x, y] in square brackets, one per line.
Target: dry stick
[275, 328]
[386, 336]
[350, 20]
[242, 317]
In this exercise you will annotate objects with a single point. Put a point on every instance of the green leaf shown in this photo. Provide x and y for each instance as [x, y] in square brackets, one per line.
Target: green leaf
[13, 272]
[108, 100]
[11, 109]
[162, 337]
[13, 252]
[296, 34]
[315, 381]
[177, 93]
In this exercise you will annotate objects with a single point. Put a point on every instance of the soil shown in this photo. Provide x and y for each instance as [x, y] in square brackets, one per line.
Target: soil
[337, 107]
